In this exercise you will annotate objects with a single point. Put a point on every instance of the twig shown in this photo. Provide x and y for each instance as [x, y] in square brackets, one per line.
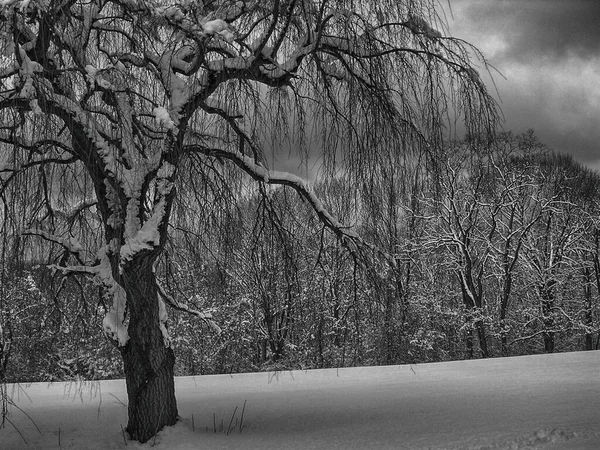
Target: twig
[20, 391]
[123, 432]
[242, 419]
[14, 405]
[117, 399]
[15, 427]
[155, 434]
[100, 404]
[231, 421]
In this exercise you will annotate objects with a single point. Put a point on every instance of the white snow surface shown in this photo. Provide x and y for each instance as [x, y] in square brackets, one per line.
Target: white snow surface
[546, 402]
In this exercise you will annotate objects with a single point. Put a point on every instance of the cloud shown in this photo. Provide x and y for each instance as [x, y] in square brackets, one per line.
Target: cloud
[549, 52]
[538, 29]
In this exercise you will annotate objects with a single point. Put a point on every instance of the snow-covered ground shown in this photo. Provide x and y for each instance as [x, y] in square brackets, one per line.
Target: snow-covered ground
[529, 402]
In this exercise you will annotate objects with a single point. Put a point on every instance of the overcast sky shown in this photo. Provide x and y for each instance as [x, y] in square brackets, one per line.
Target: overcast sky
[549, 52]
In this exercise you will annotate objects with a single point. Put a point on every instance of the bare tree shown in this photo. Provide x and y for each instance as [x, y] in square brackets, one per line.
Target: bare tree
[565, 190]
[510, 218]
[109, 101]
[461, 230]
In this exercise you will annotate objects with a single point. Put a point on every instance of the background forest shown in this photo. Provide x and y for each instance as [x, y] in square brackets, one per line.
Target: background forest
[482, 249]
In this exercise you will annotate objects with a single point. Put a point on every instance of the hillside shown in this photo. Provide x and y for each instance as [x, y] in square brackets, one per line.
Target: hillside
[528, 402]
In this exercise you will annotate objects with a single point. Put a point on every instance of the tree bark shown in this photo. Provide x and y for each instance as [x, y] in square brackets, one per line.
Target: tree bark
[588, 308]
[469, 335]
[483, 347]
[148, 361]
[547, 306]
[473, 305]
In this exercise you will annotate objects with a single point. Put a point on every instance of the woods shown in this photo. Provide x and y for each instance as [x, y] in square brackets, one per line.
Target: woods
[500, 259]
[143, 192]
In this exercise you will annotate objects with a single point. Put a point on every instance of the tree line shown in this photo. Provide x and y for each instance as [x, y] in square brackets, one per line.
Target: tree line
[137, 141]
[487, 249]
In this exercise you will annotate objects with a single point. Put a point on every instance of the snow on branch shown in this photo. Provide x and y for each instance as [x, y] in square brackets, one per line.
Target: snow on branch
[114, 323]
[219, 27]
[207, 317]
[147, 237]
[70, 244]
[71, 213]
[163, 118]
[23, 4]
[260, 173]
[92, 128]
[419, 25]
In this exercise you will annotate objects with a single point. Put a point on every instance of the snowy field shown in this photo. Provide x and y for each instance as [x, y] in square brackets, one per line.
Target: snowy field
[529, 402]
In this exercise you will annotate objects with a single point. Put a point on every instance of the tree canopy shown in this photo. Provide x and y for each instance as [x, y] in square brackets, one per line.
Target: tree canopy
[109, 108]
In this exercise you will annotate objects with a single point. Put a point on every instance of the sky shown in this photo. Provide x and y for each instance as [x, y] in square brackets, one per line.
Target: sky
[548, 54]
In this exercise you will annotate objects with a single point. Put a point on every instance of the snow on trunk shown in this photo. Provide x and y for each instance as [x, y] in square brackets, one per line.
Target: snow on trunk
[114, 323]
[163, 317]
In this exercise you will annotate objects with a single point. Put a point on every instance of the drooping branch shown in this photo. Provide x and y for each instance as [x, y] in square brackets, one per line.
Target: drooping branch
[262, 174]
[173, 303]
[70, 244]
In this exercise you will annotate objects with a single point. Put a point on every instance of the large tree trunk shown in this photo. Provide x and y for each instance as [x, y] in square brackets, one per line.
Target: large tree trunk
[147, 359]
[505, 296]
[473, 305]
[469, 335]
[483, 347]
[547, 308]
[588, 308]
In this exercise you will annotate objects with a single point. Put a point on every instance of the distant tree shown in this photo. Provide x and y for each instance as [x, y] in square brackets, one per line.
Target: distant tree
[107, 103]
[511, 219]
[461, 230]
[392, 219]
[563, 196]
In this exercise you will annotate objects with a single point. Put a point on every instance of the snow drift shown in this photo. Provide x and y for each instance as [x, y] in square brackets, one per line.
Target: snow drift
[528, 402]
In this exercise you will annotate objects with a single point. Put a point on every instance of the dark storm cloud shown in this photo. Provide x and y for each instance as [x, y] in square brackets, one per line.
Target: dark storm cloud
[553, 29]
[549, 53]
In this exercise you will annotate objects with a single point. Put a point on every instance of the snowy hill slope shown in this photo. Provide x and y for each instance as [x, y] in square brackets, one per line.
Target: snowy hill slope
[530, 402]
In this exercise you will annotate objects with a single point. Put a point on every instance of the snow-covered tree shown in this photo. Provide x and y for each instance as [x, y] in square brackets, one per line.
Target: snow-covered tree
[109, 102]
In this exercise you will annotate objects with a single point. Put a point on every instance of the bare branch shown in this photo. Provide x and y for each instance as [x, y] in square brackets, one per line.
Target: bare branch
[206, 317]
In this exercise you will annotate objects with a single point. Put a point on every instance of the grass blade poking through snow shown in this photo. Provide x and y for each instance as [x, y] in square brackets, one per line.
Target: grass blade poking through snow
[231, 421]
[242, 418]
[124, 438]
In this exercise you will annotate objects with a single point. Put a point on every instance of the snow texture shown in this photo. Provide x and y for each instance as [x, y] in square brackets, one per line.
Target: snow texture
[547, 402]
